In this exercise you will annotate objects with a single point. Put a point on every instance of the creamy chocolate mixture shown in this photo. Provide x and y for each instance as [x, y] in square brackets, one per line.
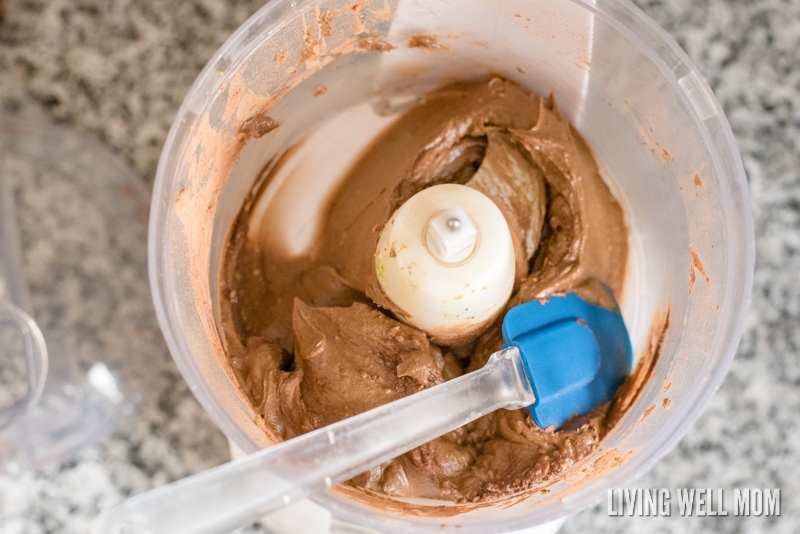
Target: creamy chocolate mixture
[313, 340]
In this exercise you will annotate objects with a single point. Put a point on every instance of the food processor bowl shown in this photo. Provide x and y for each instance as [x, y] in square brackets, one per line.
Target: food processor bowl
[658, 133]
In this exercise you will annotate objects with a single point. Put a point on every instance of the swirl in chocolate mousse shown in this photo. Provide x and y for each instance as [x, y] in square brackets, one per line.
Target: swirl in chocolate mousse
[313, 340]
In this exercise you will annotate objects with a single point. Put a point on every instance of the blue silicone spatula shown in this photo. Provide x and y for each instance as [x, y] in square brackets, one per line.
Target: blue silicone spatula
[561, 358]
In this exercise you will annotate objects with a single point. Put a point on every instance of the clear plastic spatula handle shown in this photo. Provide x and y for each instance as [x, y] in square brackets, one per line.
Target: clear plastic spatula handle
[239, 492]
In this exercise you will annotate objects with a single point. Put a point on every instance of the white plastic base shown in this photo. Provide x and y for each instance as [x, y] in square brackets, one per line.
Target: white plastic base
[452, 301]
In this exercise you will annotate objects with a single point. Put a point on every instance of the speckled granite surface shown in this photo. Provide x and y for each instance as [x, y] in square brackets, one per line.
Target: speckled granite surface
[117, 71]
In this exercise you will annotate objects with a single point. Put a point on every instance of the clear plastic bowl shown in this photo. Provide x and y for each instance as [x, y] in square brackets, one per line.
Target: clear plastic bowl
[660, 135]
[72, 222]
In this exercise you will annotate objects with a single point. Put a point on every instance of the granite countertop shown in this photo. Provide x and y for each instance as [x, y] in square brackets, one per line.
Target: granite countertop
[117, 71]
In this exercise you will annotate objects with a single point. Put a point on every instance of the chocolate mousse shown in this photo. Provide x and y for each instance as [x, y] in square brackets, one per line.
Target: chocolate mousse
[312, 339]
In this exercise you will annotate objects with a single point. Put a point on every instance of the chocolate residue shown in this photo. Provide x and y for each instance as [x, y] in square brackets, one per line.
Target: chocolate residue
[321, 90]
[666, 154]
[310, 340]
[309, 50]
[698, 183]
[258, 125]
[325, 23]
[697, 265]
[666, 402]
[612, 458]
[281, 56]
[373, 44]
[431, 42]
[635, 383]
